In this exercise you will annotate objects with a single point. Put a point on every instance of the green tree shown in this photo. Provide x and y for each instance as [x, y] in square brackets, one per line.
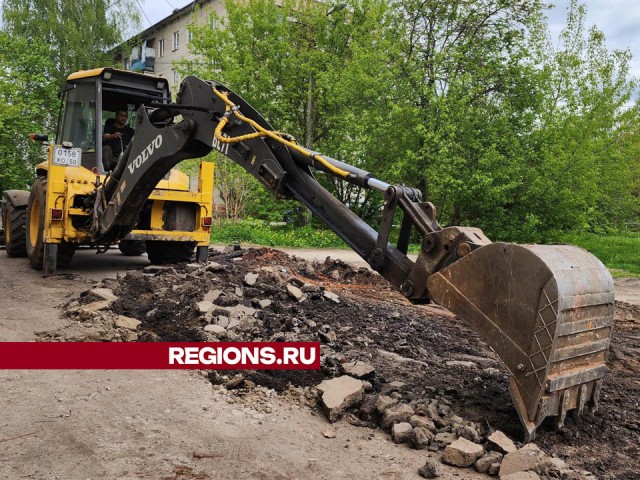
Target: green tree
[583, 159]
[467, 100]
[41, 43]
[26, 95]
[317, 73]
[80, 34]
[469, 87]
[512, 135]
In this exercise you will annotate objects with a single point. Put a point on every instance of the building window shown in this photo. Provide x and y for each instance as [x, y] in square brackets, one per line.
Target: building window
[189, 35]
[161, 48]
[176, 77]
[176, 40]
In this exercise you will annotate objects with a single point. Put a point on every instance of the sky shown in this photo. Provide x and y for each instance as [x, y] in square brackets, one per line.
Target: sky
[619, 20]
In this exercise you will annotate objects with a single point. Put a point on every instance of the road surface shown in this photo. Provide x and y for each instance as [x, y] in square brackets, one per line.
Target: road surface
[159, 424]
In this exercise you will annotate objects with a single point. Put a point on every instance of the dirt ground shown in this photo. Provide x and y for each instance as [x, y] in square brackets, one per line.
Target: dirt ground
[159, 424]
[167, 424]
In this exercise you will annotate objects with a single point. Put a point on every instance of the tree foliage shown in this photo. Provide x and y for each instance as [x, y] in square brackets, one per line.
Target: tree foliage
[468, 100]
[41, 43]
[585, 166]
[25, 92]
[80, 34]
[320, 75]
[514, 135]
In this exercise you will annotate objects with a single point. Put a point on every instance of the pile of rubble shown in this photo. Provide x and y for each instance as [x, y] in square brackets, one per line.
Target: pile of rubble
[432, 425]
[416, 372]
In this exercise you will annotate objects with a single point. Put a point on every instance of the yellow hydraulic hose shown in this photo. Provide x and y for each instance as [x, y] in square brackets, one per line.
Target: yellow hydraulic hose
[231, 108]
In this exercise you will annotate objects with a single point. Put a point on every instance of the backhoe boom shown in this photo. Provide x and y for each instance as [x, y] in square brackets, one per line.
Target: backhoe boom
[547, 311]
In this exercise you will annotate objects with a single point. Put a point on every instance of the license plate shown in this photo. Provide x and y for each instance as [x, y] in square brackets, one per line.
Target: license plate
[67, 157]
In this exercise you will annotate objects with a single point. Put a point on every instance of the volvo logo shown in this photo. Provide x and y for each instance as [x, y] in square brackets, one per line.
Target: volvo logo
[146, 153]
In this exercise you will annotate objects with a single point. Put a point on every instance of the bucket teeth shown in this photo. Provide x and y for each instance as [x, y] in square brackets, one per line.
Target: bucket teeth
[547, 311]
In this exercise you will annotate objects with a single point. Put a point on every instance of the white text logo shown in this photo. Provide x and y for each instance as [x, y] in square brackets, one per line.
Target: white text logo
[146, 153]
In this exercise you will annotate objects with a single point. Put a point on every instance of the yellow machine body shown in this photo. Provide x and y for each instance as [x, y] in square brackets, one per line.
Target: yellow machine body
[66, 183]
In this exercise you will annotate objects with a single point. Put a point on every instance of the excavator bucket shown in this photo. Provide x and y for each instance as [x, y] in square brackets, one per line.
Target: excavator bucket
[547, 311]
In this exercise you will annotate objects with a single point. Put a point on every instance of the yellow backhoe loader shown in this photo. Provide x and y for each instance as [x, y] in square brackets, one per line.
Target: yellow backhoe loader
[167, 216]
[547, 311]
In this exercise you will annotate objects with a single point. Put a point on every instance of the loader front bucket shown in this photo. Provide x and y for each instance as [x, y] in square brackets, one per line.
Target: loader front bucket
[547, 311]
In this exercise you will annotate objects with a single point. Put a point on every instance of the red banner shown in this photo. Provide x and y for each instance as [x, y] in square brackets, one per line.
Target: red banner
[160, 355]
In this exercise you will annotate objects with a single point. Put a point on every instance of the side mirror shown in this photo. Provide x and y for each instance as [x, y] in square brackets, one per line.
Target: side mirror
[39, 137]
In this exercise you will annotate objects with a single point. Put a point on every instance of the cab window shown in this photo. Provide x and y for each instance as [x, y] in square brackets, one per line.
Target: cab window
[78, 124]
[79, 118]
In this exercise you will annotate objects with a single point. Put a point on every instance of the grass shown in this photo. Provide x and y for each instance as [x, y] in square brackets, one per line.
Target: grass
[619, 252]
[259, 232]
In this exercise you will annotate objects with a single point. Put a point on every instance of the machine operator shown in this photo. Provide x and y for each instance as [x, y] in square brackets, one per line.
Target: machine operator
[116, 137]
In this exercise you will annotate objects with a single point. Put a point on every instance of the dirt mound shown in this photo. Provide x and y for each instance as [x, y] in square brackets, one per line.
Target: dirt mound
[264, 294]
[605, 442]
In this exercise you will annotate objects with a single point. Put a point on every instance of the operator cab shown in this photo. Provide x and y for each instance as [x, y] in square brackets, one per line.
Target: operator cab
[92, 98]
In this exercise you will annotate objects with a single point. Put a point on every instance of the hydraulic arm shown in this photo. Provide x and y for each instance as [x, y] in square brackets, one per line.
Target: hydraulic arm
[547, 311]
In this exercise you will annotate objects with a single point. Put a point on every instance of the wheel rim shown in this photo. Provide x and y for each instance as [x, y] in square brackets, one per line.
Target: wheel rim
[34, 222]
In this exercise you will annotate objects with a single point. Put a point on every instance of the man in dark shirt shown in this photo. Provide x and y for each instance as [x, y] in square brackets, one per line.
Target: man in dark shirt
[117, 136]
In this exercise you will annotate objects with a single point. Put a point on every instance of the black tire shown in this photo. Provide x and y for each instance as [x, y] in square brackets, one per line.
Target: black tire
[163, 252]
[132, 248]
[15, 219]
[35, 223]
[35, 229]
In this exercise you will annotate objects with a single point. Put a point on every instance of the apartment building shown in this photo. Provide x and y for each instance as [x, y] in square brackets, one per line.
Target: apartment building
[155, 49]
